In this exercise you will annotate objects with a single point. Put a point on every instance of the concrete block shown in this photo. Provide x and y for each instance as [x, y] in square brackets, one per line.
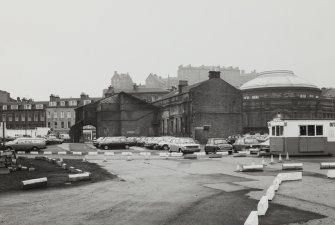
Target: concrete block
[34, 153]
[176, 154]
[246, 168]
[34, 183]
[327, 165]
[47, 153]
[190, 156]
[292, 166]
[270, 193]
[92, 153]
[126, 153]
[65, 166]
[331, 174]
[79, 177]
[109, 153]
[263, 206]
[21, 152]
[62, 153]
[252, 219]
[276, 184]
[291, 176]
[163, 154]
[145, 153]
[200, 153]
[77, 153]
[214, 156]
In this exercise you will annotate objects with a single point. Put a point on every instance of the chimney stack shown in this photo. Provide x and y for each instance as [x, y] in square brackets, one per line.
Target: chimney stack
[214, 74]
[182, 84]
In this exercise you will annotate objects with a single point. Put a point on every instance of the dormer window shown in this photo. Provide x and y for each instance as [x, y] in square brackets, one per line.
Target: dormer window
[4, 107]
[14, 107]
[62, 103]
[52, 103]
[27, 106]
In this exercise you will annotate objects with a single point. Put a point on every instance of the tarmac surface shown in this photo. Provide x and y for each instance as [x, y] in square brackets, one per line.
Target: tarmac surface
[178, 191]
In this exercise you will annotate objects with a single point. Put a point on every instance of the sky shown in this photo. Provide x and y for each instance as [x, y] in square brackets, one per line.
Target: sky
[66, 47]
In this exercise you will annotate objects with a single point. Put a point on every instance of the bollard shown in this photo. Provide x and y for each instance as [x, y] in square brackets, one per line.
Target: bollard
[246, 168]
[292, 166]
[327, 165]
[252, 219]
[79, 177]
[77, 153]
[331, 174]
[263, 206]
[290, 176]
[270, 193]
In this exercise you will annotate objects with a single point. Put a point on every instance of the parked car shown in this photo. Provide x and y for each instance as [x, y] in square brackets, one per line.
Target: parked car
[247, 143]
[132, 141]
[232, 139]
[164, 143]
[114, 142]
[141, 141]
[96, 142]
[218, 145]
[25, 144]
[65, 137]
[149, 142]
[53, 140]
[184, 145]
[265, 146]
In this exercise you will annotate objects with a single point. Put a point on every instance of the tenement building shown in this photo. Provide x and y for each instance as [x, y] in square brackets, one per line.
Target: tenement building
[233, 76]
[23, 114]
[60, 114]
[283, 92]
[155, 81]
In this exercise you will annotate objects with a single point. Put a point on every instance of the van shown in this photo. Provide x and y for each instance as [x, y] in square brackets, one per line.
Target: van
[26, 144]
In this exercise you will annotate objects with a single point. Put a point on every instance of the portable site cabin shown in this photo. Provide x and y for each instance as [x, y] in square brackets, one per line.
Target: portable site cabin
[302, 136]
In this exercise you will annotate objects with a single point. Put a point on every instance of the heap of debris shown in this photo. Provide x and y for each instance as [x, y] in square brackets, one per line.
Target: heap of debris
[7, 161]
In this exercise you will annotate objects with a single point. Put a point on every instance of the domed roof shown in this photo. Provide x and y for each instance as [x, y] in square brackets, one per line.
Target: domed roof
[277, 78]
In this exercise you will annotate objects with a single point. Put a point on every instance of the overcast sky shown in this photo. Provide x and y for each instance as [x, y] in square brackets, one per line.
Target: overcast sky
[67, 47]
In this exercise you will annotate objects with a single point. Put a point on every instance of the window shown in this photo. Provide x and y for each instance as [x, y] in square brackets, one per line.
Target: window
[62, 124]
[311, 130]
[255, 97]
[35, 116]
[39, 106]
[319, 130]
[55, 125]
[277, 130]
[52, 103]
[42, 116]
[29, 116]
[73, 103]
[3, 117]
[49, 124]
[87, 102]
[48, 114]
[27, 106]
[10, 119]
[61, 114]
[69, 114]
[14, 107]
[302, 95]
[62, 103]
[69, 124]
[16, 117]
[55, 114]
[4, 107]
[23, 117]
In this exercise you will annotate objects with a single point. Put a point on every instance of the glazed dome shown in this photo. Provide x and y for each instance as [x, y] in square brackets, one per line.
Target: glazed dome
[277, 78]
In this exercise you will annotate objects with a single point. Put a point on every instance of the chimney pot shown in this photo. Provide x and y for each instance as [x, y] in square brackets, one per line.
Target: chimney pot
[214, 74]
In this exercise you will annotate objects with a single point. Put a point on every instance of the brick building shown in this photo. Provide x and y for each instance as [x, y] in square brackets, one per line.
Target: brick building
[154, 81]
[233, 76]
[60, 113]
[23, 114]
[212, 108]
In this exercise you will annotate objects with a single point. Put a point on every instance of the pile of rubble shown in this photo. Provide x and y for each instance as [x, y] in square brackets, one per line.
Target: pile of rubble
[7, 161]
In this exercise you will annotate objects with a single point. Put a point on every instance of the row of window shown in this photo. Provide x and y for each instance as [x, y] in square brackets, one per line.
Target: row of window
[23, 117]
[59, 114]
[305, 130]
[247, 97]
[70, 103]
[25, 106]
[61, 124]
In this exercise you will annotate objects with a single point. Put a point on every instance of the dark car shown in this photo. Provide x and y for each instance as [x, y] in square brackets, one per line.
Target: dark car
[246, 144]
[232, 139]
[114, 142]
[218, 145]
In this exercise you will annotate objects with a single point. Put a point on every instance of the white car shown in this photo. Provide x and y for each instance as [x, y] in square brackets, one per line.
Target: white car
[184, 145]
[164, 144]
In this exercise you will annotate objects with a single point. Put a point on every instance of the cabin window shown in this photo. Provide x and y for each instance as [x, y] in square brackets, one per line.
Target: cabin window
[311, 130]
[277, 130]
[319, 130]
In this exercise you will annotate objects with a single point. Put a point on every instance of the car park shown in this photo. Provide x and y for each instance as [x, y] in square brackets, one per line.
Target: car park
[184, 145]
[114, 142]
[247, 144]
[218, 145]
[26, 144]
